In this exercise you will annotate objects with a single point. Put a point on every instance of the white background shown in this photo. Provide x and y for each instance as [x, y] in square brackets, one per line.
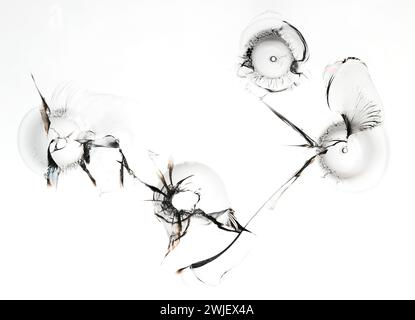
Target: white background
[177, 60]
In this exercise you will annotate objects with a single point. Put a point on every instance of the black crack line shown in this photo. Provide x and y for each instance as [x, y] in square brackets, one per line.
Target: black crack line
[333, 76]
[86, 152]
[170, 167]
[335, 142]
[107, 141]
[53, 171]
[348, 125]
[110, 142]
[122, 174]
[310, 142]
[83, 166]
[44, 110]
[234, 222]
[177, 236]
[328, 90]
[125, 166]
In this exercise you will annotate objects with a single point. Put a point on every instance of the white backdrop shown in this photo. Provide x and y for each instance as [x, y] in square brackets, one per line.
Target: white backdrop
[177, 60]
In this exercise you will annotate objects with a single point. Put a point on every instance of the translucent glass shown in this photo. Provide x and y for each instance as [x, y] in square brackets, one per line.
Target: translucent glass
[272, 52]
